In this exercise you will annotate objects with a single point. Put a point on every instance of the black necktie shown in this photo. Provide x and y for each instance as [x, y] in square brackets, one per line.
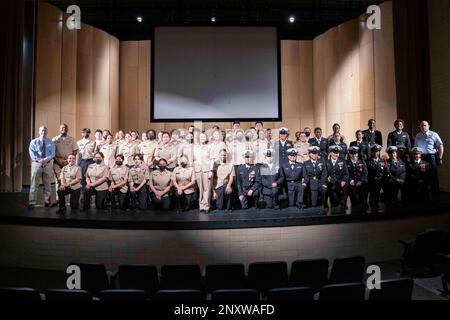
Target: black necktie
[43, 149]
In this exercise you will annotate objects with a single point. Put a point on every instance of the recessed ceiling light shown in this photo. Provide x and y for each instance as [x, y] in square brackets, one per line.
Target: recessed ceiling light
[213, 19]
[139, 19]
[291, 19]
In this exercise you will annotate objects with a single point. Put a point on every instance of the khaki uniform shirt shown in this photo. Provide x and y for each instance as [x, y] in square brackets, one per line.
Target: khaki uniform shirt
[148, 149]
[138, 174]
[236, 149]
[160, 180]
[97, 171]
[167, 151]
[202, 158]
[216, 147]
[184, 176]
[118, 175]
[128, 150]
[259, 146]
[110, 152]
[222, 173]
[302, 151]
[70, 173]
[86, 149]
[64, 146]
[186, 150]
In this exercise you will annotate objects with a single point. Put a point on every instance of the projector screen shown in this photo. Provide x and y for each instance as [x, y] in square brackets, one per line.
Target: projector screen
[215, 73]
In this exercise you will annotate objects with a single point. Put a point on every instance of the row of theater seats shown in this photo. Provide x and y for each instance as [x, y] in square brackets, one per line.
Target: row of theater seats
[269, 280]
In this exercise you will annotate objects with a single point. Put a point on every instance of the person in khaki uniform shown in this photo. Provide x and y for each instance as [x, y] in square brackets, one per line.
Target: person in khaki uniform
[70, 178]
[223, 178]
[99, 141]
[187, 150]
[217, 145]
[85, 155]
[65, 145]
[96, 182]
[203, 174]
[168, 151]
[148, 147]
[128, 150]
[109, 150]
[183, 180]
[302, 146]
[259, 146]
[138, 176]
[160, 184]
[118, 175]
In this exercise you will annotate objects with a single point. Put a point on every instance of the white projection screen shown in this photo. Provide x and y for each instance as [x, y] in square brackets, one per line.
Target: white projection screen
[215, 73]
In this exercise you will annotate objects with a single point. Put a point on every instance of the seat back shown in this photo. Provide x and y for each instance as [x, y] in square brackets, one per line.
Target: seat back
[309, 273]
[180, 295]
[267, 275]
[143, 277]
[19, 294]
[94, 277]
[291, 294]
[122, 295]
[394, 289]
[67, 295]
[236, 295]
[224, 276]
[343, 291]
[181, 277]
[347, 270]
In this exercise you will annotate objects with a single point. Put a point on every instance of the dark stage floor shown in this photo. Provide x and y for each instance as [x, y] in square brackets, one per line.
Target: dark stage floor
[14, 211]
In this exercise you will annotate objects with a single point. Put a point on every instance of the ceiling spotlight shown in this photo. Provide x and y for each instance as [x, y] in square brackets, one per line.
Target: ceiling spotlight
[213, 19]
[291, 19]
[139, 19]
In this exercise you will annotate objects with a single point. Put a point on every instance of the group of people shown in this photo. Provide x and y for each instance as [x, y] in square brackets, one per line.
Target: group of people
[227, 169]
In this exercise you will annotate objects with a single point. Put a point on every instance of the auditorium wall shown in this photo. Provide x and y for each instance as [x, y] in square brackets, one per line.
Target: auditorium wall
[439, 38]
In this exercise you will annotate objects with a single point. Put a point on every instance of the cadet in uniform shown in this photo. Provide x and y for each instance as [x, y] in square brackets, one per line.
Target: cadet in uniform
[315, 175]
[85, 155]
[293, 172]
[272, 180]
[203, 175]
[96, 182]
[183, 180]
[148, 148]
[418, 178]
[337, 178]
[358, 178]
[336, 140]
[399, 137]
[395, 177]
[128, 150]
[363, 146]
[259, 146]
[371, 135]
[377, 170]
[217, 145]
[138, 176]
[302, 146]
[167, 151]
[282, 146]
[321, 142]
[99, 142]
[187, 149]
[160, 184]
[223, 179]
[248, 180]
[109, 150]
[65, 145]
[337, 129]
[70, 179]
[118, 176]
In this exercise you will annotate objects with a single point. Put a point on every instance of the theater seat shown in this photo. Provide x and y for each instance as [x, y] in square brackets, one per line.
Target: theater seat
[236, 295]
[264, 276]
[180, 295]
[394, 289]
[343, 291]
[181, 277]
[67, 295]
[309, 273]
[291, 294]
[347, 270]
[21, 294]
[224, 276]
[143, 277]
[123, 295]
[94, 277]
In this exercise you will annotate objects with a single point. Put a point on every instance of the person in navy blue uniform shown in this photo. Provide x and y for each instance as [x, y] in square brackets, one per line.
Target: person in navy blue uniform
[372, 135]
[293, 172]
[272, 179]
[377, 172]
[315, 175]
[336, 140]
[395, 178]
[283, 145]
[363, 146]
[358, 180]
[399, 137]
[403, 154]
[248, 180]
[337, 178]
[418, 178]
[321, 142]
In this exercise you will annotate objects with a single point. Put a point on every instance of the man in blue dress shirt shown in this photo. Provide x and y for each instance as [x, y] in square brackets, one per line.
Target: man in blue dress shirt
[433, 151]
[42, 152]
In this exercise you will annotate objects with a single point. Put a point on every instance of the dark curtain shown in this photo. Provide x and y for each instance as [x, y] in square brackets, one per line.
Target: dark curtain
[11, 112]
[412, 62]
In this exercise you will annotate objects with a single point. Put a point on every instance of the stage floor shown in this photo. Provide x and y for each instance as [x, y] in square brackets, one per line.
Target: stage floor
[14, 211]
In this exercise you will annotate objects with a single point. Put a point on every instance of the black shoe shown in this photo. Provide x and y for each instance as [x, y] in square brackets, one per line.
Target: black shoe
[30, 206]
[47, 204]
[61, 211]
